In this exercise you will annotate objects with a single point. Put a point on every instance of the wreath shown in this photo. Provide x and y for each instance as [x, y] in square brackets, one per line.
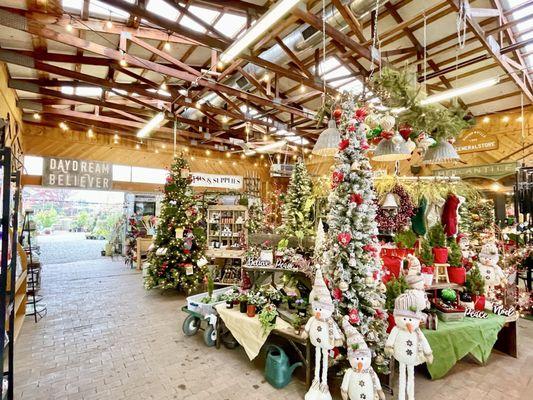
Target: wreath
[398, 219]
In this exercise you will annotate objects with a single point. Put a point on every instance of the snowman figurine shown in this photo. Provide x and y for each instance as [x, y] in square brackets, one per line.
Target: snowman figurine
[413, 265]
[416, 287]
[407, 343]
[467, 254]
[360, 382]
[324, 334]
[489, 268]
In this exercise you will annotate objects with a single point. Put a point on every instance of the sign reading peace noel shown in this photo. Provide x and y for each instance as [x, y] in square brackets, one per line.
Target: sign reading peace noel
[476, 140]
[70, 173]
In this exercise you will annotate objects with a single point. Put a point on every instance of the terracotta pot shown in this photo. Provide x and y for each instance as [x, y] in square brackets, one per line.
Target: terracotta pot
[250, 310]
[479, 302]
[457, 275]
[440, 255]
[392, 323]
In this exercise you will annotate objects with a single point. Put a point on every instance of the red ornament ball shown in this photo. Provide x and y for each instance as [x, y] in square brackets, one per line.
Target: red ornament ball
[356, 198]
[338, 177]
[353, 316]
[337, 294]
[360, 114]
[343, 144]
[405, 131]
[337, 113]
[344, 238]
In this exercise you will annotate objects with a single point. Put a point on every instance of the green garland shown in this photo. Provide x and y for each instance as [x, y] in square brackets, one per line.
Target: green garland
[398, 88]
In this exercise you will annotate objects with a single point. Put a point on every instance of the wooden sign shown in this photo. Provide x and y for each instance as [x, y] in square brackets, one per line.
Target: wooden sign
[200, 179]
[81, 174]
[476, 140]
[488, 171]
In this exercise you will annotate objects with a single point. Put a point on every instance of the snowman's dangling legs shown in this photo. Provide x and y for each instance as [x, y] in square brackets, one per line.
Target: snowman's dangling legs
[411, 382]
[401, 388]
[324, 382]
[318, 353]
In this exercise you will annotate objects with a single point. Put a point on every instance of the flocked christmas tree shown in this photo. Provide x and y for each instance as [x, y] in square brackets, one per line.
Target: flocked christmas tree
[296, 212]
[352, 261]
[177, 259]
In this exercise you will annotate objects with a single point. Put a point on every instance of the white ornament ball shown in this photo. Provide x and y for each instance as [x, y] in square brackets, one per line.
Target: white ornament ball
[387, 122]
[355, 166]
[343, 286]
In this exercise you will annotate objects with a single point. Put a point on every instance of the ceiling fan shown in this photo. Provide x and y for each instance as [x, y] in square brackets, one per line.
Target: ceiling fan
[251, 148]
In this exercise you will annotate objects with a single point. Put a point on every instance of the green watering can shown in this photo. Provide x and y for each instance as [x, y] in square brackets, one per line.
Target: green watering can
[278, 372]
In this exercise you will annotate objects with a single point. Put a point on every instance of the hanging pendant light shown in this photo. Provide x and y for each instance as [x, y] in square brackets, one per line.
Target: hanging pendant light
[327, 144]
[388, 150]
[442, 153]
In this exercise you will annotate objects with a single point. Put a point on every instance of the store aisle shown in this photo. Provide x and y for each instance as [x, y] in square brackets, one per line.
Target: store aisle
[106, 338]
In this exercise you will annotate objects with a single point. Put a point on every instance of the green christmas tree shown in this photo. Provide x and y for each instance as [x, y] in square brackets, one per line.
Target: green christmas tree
[352, 261]
[296, 212]
[426, 253]
[177, 259]
[477, 219]
[455, 259]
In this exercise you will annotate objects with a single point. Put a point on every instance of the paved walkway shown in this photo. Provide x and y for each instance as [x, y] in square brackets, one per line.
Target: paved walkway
[68, 247]
[106, 338]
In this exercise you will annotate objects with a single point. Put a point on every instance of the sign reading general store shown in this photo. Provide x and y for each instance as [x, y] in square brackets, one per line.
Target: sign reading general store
[216, 181]
[83, 174]
[476, 140]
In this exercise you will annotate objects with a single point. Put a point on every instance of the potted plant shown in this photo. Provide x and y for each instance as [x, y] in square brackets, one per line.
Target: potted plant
[273, 295]
[291, 298]
[230, 296]
[243, 302]
[456, 271]
[297, 323]
[255, 302]
[405, 242]
[394, 288]
[437, 240]
[301, 306]
[475, 285]
[267, 317]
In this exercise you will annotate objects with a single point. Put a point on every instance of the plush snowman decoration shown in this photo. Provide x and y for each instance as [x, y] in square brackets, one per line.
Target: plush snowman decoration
[324, 334]
[407, 343]
[416, 287]
[360, 382]
[464, 244]
[413, 265]
[489, 268]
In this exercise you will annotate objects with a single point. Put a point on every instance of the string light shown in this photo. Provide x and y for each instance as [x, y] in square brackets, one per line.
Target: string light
[164, 86]
[109, 23]
[302, 88]
[262, 156]
[265, 137]
[63, 126]
[137, 146]
[505, 119]
[163, 146]
[37, 116]
[123, 62]
[115, 138]
[243, 156]
[228, 154]
[486, 120]
[225, 119]
[90, 133]
[69, 26]
[266, 77]
[219, 162]
[156, 151]
[256, 164]
[208, 152]
[166, 46]
[233, 163]
[186, 149]
[519, 119]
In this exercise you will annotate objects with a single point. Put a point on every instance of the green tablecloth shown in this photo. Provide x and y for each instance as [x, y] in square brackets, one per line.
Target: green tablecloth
[454, 340]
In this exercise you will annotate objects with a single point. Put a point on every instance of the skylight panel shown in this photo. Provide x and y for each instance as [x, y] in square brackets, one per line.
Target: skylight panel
[230, 24]
[163, 9]
[189, 23]
[67, 90]
[354, 86]
[342, 71]
[330, 64]
[72, 5]
[297, 140]
[88, 91]
[103, 9]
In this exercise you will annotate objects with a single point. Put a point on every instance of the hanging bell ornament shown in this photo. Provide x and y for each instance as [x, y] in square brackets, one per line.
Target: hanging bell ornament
[387, 122]
[389, 203]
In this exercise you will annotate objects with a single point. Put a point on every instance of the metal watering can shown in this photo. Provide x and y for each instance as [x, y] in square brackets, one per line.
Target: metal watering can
[278, 372]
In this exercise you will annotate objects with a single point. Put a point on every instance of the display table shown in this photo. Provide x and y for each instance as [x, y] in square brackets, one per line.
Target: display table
[454, 340]
[250, 335]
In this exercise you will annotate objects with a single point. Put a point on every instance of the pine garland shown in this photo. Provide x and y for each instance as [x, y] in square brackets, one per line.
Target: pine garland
[179, 242]
[352, 261]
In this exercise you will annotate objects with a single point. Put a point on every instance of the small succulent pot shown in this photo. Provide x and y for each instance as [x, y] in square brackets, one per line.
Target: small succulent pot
[229, 303]
[243, 305]
[250, 310]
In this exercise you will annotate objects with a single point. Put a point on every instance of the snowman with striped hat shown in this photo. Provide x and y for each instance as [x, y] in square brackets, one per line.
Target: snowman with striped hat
[360, 382]
[407, 343]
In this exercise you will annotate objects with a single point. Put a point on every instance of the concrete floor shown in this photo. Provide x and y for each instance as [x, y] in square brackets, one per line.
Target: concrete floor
[106, 338]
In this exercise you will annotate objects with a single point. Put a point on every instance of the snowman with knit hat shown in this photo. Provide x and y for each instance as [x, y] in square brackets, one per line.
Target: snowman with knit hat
[407, 343]
[324, 334]
[360, 382]
[489, 268]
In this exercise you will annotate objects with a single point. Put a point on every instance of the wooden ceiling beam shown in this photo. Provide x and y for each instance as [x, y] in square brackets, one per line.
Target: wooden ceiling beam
[350, 19]
[293, 57]
[236, 6]
[199, 21]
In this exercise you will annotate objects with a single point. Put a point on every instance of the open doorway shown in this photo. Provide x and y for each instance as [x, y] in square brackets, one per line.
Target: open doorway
[73, 225]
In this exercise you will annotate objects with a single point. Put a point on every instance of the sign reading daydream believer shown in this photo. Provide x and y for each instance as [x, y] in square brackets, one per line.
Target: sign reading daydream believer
[68, 173]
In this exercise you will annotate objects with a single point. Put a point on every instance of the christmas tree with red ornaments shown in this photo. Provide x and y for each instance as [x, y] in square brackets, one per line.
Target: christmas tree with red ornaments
[176, 260]
[352, 261]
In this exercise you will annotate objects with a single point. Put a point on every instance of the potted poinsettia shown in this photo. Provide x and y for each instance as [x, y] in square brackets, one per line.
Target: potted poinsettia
[437, 240]
[475, 285]
[456, 271]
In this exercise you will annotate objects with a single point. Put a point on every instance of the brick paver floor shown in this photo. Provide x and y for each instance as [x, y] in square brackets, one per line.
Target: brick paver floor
[106, 338]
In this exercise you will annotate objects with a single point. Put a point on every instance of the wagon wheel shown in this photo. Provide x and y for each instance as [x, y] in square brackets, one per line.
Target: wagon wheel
[191, 325]
[210, 336]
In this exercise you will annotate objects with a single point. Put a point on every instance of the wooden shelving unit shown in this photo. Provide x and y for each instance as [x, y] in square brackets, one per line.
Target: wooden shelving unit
[226, 234]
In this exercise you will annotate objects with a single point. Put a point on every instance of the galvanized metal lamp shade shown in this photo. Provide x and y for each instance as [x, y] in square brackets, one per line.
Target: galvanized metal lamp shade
[443, 152]
[387, 150]
[327, 144]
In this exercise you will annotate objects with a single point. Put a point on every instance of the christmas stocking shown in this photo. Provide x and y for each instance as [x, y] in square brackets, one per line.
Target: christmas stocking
[418, 221]
[449, 215]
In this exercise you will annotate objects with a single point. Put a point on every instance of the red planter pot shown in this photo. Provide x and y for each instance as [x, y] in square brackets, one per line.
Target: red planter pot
[479, 302]
[457, 275]
[250, 310]
[392, 323]
[440, 255]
